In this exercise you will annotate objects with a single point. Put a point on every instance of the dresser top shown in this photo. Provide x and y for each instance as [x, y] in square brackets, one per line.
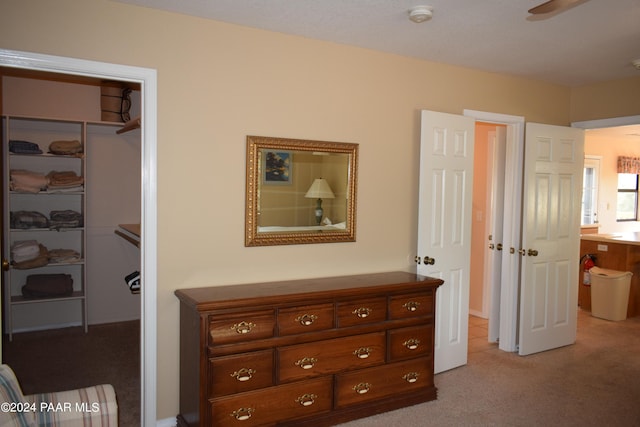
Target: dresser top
[291, 291]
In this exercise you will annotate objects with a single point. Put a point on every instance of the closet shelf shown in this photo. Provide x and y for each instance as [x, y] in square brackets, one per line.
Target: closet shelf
[129, 232]
[130, 125]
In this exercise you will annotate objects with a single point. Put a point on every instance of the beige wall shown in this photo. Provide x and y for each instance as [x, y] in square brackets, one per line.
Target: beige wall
[218, 83]
[617, 98]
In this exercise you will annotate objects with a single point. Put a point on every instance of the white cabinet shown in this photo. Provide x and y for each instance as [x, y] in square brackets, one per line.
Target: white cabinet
[63, 203]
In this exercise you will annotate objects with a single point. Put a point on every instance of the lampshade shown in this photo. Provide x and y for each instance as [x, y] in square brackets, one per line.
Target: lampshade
[319, 190]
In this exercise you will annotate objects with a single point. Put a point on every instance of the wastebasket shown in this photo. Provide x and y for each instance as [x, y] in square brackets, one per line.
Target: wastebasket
[610, 293]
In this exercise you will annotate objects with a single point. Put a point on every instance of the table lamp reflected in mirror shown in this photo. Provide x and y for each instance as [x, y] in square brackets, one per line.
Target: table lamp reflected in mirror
[319, 190]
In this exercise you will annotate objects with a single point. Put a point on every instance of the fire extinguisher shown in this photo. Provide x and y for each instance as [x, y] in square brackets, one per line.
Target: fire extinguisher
[588, 262]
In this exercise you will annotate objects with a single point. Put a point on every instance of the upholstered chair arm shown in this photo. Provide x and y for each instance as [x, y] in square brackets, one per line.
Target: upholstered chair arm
[92, 406]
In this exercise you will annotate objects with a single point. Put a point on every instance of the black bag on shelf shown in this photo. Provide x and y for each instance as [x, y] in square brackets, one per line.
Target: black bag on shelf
[48, 286]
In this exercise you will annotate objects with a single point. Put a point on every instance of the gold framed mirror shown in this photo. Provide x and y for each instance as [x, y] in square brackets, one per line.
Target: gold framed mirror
[300, 191]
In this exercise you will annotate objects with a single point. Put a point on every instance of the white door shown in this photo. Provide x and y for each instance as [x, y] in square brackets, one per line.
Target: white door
[551, 237]
[495, 213]
[444, 227]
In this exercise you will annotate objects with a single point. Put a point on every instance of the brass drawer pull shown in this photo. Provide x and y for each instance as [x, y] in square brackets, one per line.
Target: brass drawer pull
[307, 399]
[242, 414]
[362, 388]
[243, 327]
[411, 305]
[412, 343]
[306, 319]
[362, 312]
[362, 352]
[244, 374]
[411, 377]
[306, 362]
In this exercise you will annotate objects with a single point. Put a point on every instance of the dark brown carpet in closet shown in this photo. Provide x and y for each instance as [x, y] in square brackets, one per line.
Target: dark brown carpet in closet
[69, 358]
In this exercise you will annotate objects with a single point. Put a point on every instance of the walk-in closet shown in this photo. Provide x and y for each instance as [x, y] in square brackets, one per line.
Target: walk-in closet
[71, 191]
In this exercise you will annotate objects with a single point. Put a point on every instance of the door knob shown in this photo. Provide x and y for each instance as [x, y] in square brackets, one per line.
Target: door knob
[429, 261]
[417, 259]
[5, 265]
[532, 252]
[499, 247]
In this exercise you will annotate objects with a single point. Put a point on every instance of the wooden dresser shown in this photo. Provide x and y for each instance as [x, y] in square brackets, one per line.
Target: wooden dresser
[306, 352]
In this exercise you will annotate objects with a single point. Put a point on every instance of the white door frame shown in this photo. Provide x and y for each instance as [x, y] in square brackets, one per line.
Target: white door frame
[607, 123]
[509, 300]
[148, 80]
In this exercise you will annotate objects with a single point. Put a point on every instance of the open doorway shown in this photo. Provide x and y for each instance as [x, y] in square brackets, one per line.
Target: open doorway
[497, 215]
[488, 206]
[100, 319]
[607, 222]
[146, 78]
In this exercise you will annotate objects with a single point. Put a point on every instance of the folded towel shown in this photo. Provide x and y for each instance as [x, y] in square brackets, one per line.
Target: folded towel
[64, 179]
[26, 181]
[23, 220]
[40, 261]
[57, 256]
[65, 219]
[24, 250]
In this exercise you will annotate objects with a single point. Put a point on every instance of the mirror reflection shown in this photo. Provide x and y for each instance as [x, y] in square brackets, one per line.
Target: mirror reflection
[299, 191]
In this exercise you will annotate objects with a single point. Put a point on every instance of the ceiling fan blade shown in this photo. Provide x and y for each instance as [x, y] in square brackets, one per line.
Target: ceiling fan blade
[551, 6]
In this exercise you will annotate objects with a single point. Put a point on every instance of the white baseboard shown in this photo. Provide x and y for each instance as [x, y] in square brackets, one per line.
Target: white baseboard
[167, 422]
[47, 327]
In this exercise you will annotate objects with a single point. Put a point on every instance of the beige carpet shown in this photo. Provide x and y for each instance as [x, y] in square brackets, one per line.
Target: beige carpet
[595, 382]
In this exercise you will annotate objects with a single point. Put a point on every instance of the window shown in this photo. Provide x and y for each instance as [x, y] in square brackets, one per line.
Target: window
[590, 178]
[627, 205]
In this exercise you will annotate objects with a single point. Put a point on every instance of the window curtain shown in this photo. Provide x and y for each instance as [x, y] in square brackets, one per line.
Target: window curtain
[629, 165]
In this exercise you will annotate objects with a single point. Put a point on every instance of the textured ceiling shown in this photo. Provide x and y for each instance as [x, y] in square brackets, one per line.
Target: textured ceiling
[590, 42]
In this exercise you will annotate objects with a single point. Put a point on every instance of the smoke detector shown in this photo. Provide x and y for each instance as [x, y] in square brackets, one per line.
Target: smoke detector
[636, 63]
[420, 14]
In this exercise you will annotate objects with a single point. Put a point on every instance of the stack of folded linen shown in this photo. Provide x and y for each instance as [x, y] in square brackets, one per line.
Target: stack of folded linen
[66, 180]
[27, 254]
[57, 256]
[65, 219]
[24, 250]
[22, 220]
[26, 181]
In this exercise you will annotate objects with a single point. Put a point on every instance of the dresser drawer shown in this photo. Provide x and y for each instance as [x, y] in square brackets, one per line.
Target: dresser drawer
[360, 312]
[266, 407]
[383, 381]
[413, 305]
[410, 342]
[244, 372]
[309, 318]
[248, 326]
[330, 356]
